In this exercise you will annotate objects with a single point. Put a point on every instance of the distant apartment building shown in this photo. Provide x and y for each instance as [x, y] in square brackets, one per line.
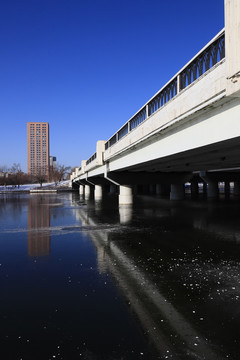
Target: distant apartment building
[38, 148]
[52, 166]
[52, 162]
[5, 174]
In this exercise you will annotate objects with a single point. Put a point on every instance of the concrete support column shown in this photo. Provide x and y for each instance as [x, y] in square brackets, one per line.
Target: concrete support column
[177, 192]
[152, 189]
[81, 189]
[194, 188]
[212, 189]
[227, 188]
[205, 190]
[112, 189]
[125, 195]
[159, 189]
[162, 189]
[135, 190]
[236, 188]
[98, 192]
[87, 191]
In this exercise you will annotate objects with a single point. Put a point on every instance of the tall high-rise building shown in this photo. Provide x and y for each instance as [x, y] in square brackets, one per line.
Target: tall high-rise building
[38, 148]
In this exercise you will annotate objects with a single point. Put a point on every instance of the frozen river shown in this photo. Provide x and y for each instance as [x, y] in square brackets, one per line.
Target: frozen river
[86, 280]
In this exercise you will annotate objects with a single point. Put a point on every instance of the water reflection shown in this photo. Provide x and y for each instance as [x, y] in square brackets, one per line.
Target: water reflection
[178, 270]
[152, 308]
[125, 213]
[38, 226]
[168, 271]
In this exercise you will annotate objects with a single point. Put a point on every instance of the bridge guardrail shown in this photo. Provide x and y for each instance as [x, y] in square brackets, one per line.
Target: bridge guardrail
[93, 157]
[209, 56]
[97, 158]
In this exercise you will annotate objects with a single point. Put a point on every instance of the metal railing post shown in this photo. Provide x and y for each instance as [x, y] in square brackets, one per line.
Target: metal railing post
[178, 84]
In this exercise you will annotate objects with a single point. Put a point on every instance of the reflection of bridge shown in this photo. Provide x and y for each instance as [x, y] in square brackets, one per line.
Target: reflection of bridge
[188, 131]
[157, 315]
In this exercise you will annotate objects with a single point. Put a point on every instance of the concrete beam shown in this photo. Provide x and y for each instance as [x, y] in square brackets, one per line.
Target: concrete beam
[141, 178]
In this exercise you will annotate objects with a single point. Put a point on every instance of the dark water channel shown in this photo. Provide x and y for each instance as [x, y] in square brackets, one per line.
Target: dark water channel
[86, 280]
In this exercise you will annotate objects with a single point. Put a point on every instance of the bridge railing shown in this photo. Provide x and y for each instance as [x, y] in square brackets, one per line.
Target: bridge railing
[97, 158]
[93, 157]
[75, 173]
[214, 53]
[209, 56]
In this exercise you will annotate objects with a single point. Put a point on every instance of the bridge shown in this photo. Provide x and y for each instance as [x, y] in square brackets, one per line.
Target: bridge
[189, 131]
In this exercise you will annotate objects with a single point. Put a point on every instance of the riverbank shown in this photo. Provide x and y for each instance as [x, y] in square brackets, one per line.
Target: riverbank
[63, 186]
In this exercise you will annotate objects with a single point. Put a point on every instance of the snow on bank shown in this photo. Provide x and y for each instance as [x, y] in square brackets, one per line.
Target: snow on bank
[27, 187]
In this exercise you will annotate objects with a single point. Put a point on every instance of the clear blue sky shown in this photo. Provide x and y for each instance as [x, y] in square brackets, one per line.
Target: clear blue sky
[86, 66]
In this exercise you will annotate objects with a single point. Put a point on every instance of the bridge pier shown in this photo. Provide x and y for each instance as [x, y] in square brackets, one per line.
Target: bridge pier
[81, 190]
[112, 189]
[162, 189]
[152, 189]
[227, 188]
[212, 189]
[87, 191]
[159, 189]
[125, 195]
[205, 189]
[177, 192]
[98, 191]
[194, 189]
[236, 190]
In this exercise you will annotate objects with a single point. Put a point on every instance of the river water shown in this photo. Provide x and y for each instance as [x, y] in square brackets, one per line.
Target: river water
[87, 280]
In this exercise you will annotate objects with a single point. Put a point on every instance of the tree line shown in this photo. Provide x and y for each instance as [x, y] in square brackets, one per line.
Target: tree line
[15, 176]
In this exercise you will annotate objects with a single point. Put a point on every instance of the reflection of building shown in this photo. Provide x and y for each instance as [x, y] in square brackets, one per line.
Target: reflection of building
[38, 148]
[38, 227]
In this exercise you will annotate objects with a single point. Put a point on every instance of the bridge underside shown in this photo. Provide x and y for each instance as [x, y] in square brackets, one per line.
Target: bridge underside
[222, 157]
[203, 143]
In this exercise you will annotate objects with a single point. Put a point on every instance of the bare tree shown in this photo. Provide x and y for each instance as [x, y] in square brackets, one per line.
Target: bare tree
[17, 175]
[3, 168]
[16, 168]
[59, 172]
[4, 174]
[41, 176]
[73, 169]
